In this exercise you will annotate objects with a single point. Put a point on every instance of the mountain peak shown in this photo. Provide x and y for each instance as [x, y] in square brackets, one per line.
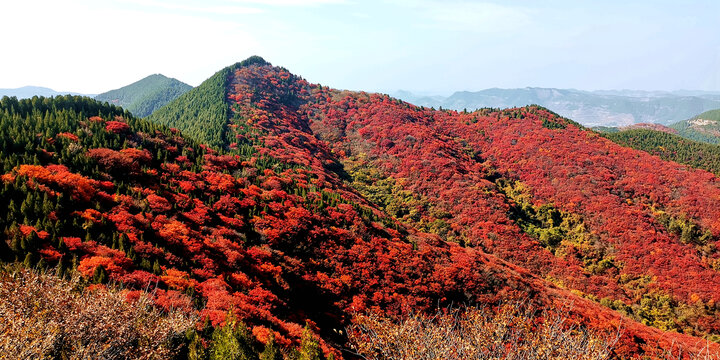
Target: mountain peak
[252, 60]
[146, 95]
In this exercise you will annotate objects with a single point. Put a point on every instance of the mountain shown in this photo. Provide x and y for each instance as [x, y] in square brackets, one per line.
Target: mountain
[704, 127]
[283, 212]
[645, 94]
[27, 92]
[279, 244]
[601, 108]
[145, 96]
[417, 98]
[647, 126]
[569, 207]
[202, 111]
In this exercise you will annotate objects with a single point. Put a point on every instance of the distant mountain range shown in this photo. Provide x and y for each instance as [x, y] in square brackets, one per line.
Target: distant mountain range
[590, 108]
[145, 96]
[141, 98]
[27, 92]
[609, 108]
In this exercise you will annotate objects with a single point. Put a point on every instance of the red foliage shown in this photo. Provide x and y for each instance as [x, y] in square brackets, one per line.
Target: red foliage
[117, 127]
[177, 279]
[173, 299]
[50, 254]
[142, 156]
[91, 215]
[158, 203]
[425, 148]
[55, 176]
[280, 238]
[69, 136]
[140, 279]
[125, 160]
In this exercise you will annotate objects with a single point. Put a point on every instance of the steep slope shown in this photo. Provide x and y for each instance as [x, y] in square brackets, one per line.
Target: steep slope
[523, 185]
[202, 112]
[145, 96]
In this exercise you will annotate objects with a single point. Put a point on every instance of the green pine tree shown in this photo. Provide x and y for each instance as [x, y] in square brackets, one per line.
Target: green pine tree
[309, 347]
[100, 276]
[196, 349]
[271, 352]
[232, 341]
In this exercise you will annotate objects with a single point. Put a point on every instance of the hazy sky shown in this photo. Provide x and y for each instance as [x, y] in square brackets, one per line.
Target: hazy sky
[430, 46]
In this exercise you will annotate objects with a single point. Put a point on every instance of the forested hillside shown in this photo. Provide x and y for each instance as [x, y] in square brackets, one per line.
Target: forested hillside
[704, 127]
[145, 96]
[283, 214]
[202, 112]
[700, 155]
[92, 189]
[397, 155]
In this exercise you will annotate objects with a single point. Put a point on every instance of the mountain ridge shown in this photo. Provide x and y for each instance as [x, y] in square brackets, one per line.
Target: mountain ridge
[26, 92]
[590, 108]
[146, 95]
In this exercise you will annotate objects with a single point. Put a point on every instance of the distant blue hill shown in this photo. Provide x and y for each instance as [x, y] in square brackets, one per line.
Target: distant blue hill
[27, 92]
[590, 108]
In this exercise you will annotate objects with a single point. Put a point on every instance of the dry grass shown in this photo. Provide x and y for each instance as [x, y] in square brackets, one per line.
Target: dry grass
[676, 352]
[513, 332]
[44, 316]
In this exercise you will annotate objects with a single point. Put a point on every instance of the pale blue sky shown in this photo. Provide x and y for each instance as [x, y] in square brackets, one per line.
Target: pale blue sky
[428, 46]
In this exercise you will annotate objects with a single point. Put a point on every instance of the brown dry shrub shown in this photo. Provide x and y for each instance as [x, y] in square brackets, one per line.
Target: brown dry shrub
[677, 352]
[45, 316]
[511, 332]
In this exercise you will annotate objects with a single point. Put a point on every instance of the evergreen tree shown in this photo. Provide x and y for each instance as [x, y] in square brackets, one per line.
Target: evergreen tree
[309, 347]
[232, 341]
[271, 351]
[196, 350]
[100, 276]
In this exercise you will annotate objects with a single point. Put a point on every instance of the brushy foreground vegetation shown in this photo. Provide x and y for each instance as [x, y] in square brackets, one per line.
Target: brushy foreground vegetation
[513, 331]
[45, 316]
